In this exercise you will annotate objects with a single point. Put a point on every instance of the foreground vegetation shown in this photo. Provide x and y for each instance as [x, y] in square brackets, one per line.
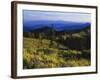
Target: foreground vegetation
[39, 54]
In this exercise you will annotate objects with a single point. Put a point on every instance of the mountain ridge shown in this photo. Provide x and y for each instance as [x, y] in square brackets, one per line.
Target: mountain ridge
[58, 25]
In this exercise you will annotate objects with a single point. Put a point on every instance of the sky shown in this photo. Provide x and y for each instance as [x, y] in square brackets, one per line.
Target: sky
[31, 15]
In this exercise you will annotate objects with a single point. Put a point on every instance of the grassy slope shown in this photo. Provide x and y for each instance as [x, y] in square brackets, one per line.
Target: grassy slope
[38, 54]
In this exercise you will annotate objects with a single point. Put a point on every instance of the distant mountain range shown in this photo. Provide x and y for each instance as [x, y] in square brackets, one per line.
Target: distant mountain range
[29, 26]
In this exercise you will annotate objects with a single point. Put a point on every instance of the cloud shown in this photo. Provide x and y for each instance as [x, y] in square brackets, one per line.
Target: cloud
[31, 15]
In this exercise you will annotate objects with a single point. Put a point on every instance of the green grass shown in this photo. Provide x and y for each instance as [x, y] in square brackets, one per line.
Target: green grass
[41, 54]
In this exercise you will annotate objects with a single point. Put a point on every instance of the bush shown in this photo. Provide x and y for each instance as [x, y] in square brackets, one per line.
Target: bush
[27, 59]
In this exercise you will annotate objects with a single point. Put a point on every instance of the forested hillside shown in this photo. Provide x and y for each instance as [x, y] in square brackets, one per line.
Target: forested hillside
[46, 47]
